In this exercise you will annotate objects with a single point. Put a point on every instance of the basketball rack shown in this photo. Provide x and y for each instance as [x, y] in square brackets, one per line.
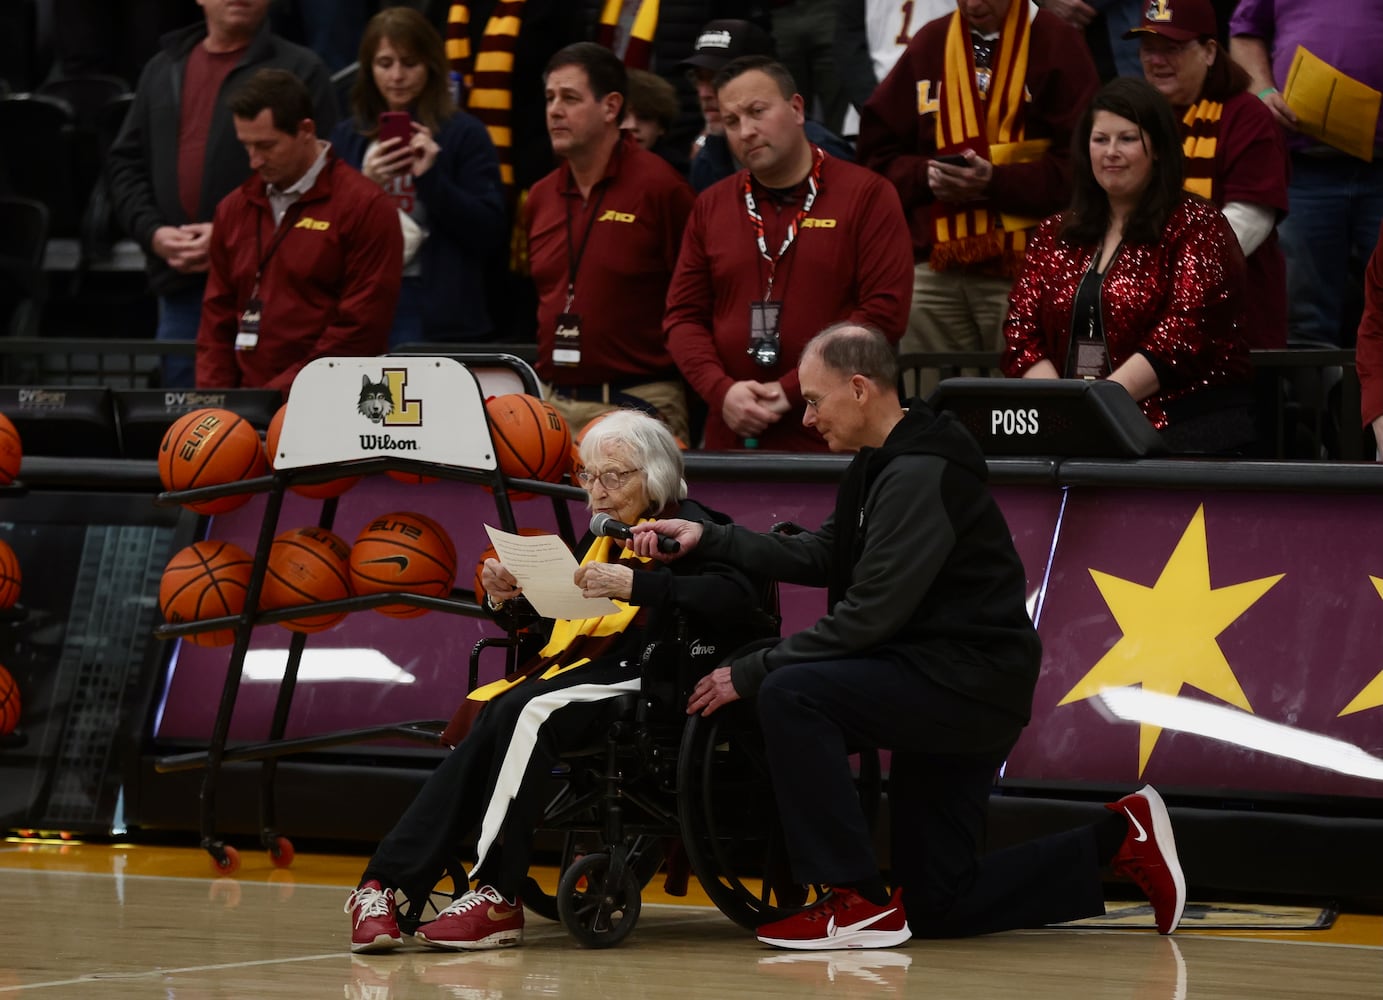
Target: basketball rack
[462, 451]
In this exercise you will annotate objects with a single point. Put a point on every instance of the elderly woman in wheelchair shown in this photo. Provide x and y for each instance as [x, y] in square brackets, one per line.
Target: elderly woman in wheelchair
[509, 735]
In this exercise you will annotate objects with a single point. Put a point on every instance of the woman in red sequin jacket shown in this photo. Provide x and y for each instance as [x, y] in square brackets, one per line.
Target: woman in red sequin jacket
[1138, 282]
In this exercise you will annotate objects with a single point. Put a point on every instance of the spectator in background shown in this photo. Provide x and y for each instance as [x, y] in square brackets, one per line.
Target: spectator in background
[805, 31]
[177, 155]
[444, 180]
[603, 233]
[1336, 199]
[795, 240]
[973, 127]
[306, 256]
[1138, 282]
[1106, 24]
[720, 42]
[870, 36]
[1369, 347]
[649, 108]
[1235, 155]
[497, 49]
[331, 28]
[655, 35]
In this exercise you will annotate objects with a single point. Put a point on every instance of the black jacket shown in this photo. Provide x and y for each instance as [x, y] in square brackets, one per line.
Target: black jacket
[921, 569]
[142, 165]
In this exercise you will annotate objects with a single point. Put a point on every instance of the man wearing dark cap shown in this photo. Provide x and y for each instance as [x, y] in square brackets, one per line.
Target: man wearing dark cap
[720, 42]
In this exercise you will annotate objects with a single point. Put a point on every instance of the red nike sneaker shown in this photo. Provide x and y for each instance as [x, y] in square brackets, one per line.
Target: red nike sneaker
[478, 920]
[1148, 855]
[843, 919]
[374, 920]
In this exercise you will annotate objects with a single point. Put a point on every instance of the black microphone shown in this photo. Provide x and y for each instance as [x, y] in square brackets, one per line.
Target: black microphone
[604, 524]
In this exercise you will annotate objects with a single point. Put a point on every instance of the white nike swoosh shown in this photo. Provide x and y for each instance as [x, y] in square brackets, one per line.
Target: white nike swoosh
[833, 929]
[1142, 834]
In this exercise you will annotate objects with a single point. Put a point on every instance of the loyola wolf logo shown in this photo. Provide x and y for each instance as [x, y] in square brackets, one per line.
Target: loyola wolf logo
[376, 401]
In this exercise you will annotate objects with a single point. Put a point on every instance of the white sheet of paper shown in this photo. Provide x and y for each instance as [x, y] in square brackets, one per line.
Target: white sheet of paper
[544, 567]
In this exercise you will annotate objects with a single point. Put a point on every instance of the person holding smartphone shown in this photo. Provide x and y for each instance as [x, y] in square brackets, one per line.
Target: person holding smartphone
[439, 166]
[973, 126]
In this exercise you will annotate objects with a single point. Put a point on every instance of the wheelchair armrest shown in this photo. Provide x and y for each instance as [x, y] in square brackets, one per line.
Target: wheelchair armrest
[509, 642]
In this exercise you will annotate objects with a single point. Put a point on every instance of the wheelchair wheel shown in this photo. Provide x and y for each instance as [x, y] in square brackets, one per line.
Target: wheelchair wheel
[730, 822]
[598, 910]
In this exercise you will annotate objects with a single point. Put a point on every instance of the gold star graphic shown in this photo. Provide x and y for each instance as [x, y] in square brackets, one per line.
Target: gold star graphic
[1372, 695]
[1169, 631]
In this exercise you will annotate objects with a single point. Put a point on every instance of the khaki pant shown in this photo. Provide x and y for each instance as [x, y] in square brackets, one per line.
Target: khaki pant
[954, 311]
[668, 398]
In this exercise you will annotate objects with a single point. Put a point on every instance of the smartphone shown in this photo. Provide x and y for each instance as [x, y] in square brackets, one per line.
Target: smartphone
[395, 125]
[953, 160]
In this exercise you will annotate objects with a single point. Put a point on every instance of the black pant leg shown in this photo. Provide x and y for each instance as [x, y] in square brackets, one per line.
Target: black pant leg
[939, 807]
[413, 855]
[572, 724]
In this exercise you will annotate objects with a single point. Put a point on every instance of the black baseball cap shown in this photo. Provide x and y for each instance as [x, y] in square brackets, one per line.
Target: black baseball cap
[724, 40]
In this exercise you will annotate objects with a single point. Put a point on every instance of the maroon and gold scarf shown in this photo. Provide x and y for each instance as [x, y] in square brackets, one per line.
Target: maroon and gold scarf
[969, 234]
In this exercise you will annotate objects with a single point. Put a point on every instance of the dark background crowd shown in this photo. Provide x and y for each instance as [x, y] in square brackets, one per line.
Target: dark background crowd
[1300, 218]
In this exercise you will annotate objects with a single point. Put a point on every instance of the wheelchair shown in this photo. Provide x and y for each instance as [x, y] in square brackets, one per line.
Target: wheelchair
[661, 788]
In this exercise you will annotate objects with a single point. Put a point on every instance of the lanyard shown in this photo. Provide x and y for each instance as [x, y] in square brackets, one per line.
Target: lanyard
[575, 254]
[757, 221]
[279, 234]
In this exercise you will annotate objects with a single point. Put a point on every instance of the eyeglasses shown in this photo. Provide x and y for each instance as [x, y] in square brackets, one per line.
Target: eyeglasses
[611, 480]
[815, 404]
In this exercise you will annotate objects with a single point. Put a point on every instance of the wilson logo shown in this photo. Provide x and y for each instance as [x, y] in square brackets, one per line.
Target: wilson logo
[386, 442]
[610, 215]
[308, 222]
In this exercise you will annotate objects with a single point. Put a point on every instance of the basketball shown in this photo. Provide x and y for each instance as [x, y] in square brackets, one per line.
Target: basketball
[403, 551]
[11, 451]
[490, 553]
[315, 491]
[210, 448]
[306, 565]
[9, 703]
[9, 576]
[532, 440]
[413, 478]
[208, 579]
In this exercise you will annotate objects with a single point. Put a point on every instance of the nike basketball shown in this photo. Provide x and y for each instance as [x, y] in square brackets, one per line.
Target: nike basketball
[404, 552]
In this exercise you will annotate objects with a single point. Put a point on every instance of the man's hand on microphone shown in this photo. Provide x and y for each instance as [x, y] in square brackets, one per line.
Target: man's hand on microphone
[645, 540]
[605, 580]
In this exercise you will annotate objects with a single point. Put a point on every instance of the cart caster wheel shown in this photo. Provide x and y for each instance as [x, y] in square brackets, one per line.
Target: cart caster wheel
[596, 912]
[225, 860]
[281, 852]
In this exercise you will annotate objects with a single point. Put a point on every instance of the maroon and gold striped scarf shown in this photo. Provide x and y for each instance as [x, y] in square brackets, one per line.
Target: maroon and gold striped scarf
[1200, 139]
[965, 235]
[639, 51]
[487, 78]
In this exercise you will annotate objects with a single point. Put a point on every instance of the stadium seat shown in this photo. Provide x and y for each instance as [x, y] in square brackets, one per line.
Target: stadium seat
[63, 421]
[37, 156]
[23, 233]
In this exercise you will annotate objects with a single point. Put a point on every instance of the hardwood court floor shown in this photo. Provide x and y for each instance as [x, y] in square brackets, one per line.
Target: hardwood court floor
[86, 921]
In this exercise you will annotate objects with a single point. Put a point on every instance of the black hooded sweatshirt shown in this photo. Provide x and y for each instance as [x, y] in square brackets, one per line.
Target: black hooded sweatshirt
[920, 569]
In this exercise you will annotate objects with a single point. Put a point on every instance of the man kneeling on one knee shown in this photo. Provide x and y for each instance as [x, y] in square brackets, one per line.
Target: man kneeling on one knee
[926, 650]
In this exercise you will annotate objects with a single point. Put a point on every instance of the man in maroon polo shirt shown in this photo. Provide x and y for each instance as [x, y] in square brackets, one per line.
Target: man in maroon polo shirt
[603, 233]
[794, 242]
